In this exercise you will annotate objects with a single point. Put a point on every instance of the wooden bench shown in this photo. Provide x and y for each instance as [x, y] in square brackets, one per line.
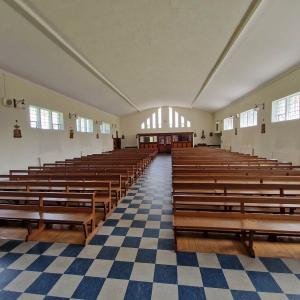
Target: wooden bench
[119, 183]
[238, 178]
[236, 188]
[33, 207]
[128, 170]
[227, 170]
[256, 203]
[101, 189]
[243, 222]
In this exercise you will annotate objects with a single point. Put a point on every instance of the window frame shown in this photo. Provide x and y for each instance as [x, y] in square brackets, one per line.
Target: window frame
[84, 125]
[286, 115]
[49, 124]
[182, 121]
[170, 117]
[154, 120]
[148, 123]
[105, 128]
[159, 121]
[228, 123]
[176, 119]
[247, 123]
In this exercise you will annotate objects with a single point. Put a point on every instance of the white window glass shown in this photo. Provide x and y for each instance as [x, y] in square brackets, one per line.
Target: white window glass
[254, 117]
[248, 118]
[45, 118]
[159, 117]
[176, 119]
[105, 128]
[34, 117]
[182, 123]
[293, 107]
[243, 119]
[57, 120]
[89, 127]
[228, 123]
[279, 110]
[170, 117]
[84, 125]
[154, 120]
[287, 108]
[148, 123]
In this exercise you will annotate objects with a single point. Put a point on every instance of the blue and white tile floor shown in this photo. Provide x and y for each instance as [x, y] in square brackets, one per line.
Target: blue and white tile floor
[132, 257]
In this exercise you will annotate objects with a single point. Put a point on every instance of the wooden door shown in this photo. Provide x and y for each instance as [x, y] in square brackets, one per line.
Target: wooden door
[168, 143]
[161, 143]
[164, 143]
[117, 143]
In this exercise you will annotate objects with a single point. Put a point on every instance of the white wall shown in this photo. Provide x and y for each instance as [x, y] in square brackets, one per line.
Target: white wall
[48, 145]
[200, 120]
[282, 139]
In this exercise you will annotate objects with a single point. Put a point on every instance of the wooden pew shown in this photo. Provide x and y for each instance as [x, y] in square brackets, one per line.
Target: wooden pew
[247, 223]
[235, 188]
[239, 178]
[101, 189]
[119, 183]
[34, 207]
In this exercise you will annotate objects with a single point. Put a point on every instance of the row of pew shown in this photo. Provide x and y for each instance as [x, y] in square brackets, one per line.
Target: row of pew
[219, 191]
[74, 193]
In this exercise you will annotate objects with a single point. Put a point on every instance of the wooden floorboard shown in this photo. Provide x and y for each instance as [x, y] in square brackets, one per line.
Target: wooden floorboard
[284, 247]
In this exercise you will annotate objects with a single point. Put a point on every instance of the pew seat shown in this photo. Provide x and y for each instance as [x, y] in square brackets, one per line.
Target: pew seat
[33, 207]
[245, 224]
[252, 215]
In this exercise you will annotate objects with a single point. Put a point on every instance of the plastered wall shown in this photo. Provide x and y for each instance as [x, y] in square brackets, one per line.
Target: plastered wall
[200, 120]
[282, 139]
[45, 145]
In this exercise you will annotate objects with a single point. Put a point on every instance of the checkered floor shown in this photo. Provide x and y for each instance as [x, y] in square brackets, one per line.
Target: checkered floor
[132, 257]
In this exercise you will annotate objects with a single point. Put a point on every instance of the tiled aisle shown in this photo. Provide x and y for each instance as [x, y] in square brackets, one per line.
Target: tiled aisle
[132, 257]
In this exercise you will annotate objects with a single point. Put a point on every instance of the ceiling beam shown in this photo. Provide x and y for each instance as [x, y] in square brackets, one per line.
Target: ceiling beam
[31, 15]
[237, 32]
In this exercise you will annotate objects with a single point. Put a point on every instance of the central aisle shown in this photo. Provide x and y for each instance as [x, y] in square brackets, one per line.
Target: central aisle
[132, 257]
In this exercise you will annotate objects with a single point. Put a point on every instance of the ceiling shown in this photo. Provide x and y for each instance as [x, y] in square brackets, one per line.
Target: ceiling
[125, 56]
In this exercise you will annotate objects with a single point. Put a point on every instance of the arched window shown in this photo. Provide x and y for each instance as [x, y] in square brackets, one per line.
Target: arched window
[182, 121]
[154, 121]
[148, 123]
[176, 120]
[159, 117]
[179, 120]
[170, 117]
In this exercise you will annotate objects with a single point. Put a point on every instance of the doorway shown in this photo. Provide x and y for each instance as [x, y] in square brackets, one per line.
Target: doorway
[164, 143]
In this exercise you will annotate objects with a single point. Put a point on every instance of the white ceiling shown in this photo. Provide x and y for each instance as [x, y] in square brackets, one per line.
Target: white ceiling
[269, 46]
[150, 52]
